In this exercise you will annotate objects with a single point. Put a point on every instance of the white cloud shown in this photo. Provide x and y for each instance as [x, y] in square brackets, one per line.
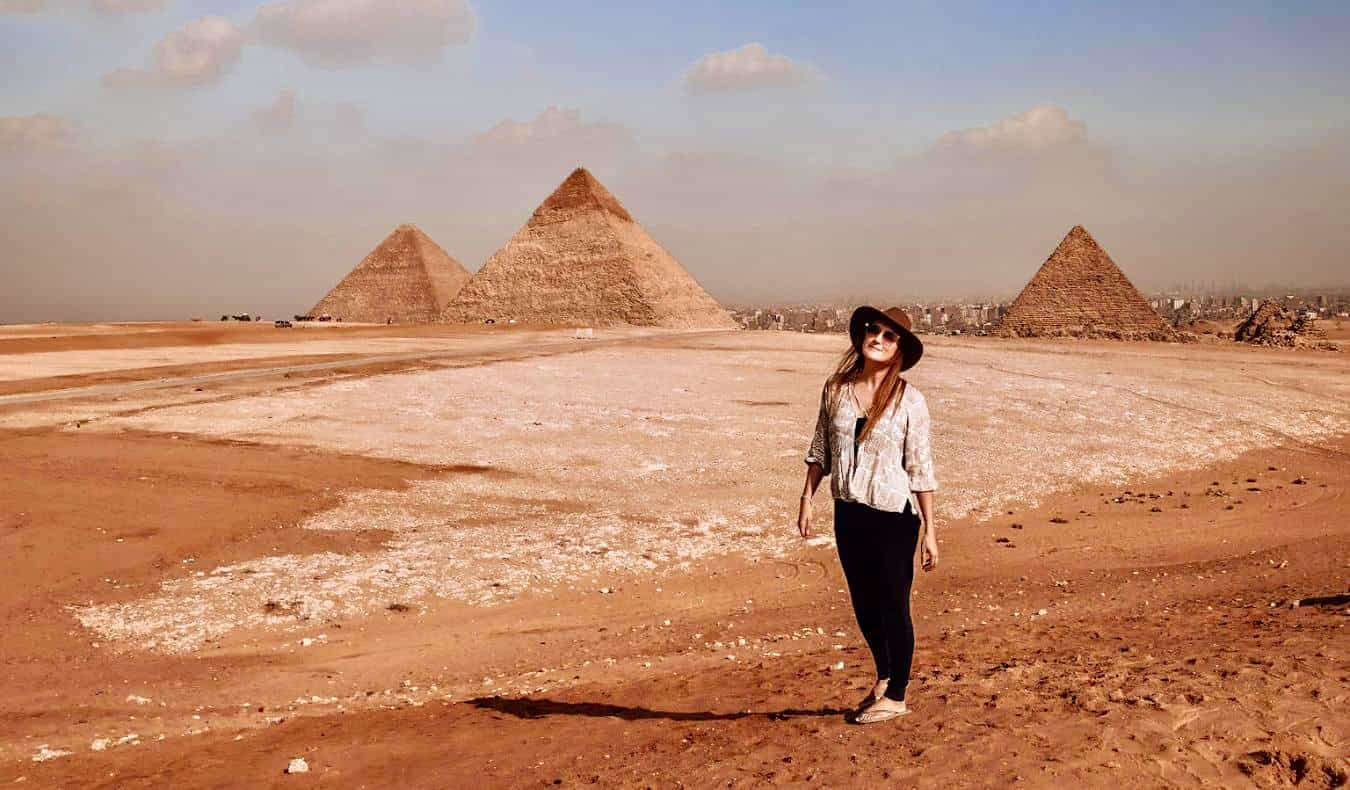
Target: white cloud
[1040, 128]
[105, 7]
[35, 132]
[347, 32]
[550, 124]
[113, 7]
[127, 78]
[349, 116]
[557, 138]
[198, 53]
[22, 6]
[747, 68]
[328, 121]
[277, 117]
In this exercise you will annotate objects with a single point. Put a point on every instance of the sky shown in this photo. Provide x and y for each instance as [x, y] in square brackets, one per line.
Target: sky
[175, 158]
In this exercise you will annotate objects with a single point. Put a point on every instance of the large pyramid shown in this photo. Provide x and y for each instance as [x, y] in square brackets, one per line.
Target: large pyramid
[582, 260]
[1079, 291]
[408, 278]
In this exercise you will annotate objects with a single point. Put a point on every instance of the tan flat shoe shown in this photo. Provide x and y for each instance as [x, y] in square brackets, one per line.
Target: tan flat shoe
[878, 691]
[883, 710]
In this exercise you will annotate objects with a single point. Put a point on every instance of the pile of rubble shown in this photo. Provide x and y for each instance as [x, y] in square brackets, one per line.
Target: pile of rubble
[1272, 325]
[1089, 331]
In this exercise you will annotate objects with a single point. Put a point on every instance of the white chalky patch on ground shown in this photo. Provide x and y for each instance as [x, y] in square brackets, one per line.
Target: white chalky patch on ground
[587, 466]
[519, 548]
[45, 753]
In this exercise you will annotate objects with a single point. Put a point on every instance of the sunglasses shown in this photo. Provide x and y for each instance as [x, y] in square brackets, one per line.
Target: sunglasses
[873, 328]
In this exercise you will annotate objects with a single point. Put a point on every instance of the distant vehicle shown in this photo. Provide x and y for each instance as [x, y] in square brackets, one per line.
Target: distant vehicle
[224, 318]
[325, 317]
[489, 320]
[282, 323]
[242, 317]
[304, 318]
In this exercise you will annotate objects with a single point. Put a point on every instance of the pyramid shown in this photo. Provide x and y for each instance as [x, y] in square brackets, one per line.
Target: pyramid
[1079, 291]
[1272, 325]
[408, 278]
[581, 259]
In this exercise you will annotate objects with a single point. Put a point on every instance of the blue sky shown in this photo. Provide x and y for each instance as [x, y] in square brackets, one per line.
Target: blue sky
[851, 125]
[1236, 73]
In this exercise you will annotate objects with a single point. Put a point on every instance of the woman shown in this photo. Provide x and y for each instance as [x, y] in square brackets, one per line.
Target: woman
[872, 440]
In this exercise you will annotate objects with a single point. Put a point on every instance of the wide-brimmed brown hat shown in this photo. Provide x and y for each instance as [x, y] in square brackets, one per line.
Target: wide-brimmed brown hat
[911, 348]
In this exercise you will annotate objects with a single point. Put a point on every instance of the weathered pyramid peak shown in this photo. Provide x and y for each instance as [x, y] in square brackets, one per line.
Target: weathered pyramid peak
[579, 192]
[407, 244]
[1078, 236]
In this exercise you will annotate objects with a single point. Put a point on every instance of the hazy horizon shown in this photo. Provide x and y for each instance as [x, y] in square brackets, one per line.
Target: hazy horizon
[167, 159]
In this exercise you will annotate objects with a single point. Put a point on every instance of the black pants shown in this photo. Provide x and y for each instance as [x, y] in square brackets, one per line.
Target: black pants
[876, 549]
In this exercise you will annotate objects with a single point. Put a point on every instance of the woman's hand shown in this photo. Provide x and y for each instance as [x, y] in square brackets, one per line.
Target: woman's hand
[804, 517]
[929, 553]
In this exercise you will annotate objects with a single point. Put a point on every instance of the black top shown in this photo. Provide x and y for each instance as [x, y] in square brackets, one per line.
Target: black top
[857, 432]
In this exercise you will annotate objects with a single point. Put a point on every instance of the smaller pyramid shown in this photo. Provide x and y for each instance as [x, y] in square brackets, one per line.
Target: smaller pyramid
[1272, 325]
[407, 279]
[582, 259]
[1079, 291]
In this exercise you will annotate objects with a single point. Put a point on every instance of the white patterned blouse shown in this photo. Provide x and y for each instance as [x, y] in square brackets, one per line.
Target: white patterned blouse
[894, 462]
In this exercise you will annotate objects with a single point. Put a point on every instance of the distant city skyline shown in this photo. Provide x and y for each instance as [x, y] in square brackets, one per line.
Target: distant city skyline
[1273, 291]
[168, 158]
[985, 316]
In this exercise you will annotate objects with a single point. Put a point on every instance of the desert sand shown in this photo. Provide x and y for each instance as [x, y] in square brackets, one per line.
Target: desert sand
[515, 557]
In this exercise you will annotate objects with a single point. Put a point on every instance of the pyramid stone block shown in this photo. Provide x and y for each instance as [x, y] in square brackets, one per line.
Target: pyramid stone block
[582, 259]
[1079, 291]
[408, 278]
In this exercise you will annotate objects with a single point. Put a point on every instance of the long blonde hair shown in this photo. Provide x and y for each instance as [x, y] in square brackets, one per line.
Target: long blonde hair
[892, 385]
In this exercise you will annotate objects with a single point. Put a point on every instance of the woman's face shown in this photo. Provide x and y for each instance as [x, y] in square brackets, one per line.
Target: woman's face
[880, 343]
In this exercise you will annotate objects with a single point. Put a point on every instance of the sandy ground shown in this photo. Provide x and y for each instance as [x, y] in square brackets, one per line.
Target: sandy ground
[534, 559]
[63, 353]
